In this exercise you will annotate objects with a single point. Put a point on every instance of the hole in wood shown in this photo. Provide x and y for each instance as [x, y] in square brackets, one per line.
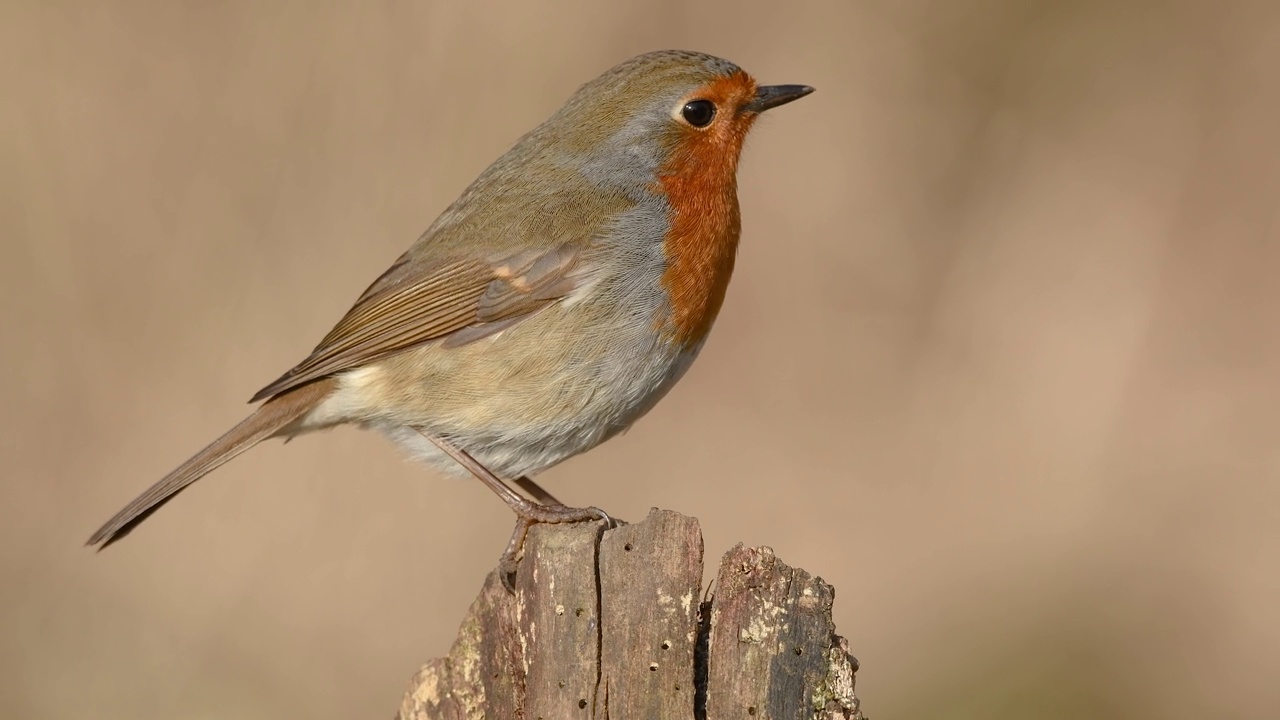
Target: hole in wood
[582, 704]
[666, 645]
[627, 547]
[751, 710]
[653, 667]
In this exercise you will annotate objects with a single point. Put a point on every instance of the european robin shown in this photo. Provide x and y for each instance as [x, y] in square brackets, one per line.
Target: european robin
[550, 306]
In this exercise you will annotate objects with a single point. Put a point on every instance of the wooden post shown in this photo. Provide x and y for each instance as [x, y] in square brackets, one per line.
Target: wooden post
[612, 624]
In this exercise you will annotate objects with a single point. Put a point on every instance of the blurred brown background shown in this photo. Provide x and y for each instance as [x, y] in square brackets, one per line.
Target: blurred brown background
[999, 362]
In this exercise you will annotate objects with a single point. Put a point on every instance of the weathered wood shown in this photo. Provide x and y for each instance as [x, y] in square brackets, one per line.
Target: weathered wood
[650, 574]
[609, 624]
[773, 651]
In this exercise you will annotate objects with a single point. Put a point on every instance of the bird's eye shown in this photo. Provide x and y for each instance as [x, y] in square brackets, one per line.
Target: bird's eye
[699, 113]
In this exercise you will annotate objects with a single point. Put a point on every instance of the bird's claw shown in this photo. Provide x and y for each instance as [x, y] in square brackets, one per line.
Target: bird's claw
[509, 563]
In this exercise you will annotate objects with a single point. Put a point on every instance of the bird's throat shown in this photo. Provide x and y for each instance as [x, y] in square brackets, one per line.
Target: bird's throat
[701, 243]
[700, 182]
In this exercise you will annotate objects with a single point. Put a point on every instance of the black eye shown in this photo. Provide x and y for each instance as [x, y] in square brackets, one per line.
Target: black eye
[699, 113]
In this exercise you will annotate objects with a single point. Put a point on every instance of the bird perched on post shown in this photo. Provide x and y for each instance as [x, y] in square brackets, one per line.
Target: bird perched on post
[550, 306]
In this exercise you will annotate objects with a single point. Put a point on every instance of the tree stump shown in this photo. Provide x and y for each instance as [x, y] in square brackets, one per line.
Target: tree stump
[612, 624]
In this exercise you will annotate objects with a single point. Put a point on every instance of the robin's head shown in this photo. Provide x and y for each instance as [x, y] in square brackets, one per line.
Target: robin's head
[665, 111]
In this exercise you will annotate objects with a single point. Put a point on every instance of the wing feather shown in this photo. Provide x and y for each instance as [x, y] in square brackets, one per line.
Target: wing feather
[412, 304]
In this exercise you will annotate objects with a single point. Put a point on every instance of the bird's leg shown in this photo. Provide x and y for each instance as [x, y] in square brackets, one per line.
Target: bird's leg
[523, 507]
[527, 484]
[528, 512]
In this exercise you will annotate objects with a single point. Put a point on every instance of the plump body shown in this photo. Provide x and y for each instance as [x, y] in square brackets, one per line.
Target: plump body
[551, 305]
[547, 388]
[580, 371]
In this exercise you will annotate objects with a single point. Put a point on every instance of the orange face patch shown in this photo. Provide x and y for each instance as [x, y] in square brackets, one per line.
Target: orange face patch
[700, 183]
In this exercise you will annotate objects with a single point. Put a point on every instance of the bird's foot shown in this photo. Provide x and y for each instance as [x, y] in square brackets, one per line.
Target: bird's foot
[530, 514]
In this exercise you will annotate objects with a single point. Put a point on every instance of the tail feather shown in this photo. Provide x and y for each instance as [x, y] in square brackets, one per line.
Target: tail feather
[269, 419]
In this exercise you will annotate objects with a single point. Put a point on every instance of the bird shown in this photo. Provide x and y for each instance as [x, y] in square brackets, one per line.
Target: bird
[548, 308]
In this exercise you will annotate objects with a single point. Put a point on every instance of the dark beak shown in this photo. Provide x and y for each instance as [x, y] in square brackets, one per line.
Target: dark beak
[771, 96]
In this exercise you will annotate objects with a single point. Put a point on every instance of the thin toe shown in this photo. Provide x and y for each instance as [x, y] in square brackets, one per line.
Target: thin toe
[556, 514]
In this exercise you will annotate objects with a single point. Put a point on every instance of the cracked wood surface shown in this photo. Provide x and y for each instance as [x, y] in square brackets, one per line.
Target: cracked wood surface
[611, 624]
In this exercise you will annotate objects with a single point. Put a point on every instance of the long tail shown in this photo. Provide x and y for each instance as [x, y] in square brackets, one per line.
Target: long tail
[268, 420]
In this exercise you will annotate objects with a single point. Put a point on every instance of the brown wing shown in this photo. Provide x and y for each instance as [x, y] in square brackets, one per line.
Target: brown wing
[460, 301]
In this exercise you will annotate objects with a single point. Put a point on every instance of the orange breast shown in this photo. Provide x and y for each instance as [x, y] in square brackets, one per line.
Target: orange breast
[699, 181]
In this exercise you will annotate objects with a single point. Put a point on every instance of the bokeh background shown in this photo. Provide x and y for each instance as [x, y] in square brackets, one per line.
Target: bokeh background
[999, 360]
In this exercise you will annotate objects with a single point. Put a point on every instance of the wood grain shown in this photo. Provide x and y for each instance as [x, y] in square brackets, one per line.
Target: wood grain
[610, 623]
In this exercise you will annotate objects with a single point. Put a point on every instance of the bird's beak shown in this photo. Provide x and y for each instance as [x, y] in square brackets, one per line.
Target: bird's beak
[771, 96]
